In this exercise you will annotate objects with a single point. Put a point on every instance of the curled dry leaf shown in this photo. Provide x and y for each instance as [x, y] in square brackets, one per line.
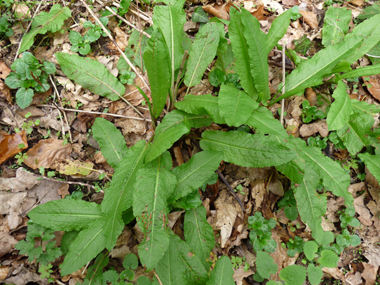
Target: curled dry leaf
[311, 96]
[310, 18]
[5, 92]
[373, 85]
[4, 270]
[74, 167]
[354, 279]
[10, 145]
[226, 213]
[219, 11]
[46, 152]
[7, 242]
[258, 192]
[24, 180]
[369, 273]
[290, 2]
[240, 274]
[371, 179]
[365, 216]
[308, 130]
[4, 70]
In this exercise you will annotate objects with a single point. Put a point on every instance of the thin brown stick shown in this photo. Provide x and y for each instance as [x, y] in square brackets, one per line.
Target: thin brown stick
[97, 113]
[67, 182]
[231, 190]
[117, 46]
[158, 278]
[64, 114]
[126, 21]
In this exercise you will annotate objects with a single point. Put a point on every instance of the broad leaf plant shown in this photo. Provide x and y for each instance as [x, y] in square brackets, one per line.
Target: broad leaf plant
[145, 182]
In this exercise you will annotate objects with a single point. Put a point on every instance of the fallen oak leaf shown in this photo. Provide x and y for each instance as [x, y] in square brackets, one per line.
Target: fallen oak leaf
[10, 145]
[46, 152]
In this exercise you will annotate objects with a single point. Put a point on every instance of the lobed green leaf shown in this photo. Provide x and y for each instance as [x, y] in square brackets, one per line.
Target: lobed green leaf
[203, 51]
[235, 105]
[66, 215]
[111, 141]
[156, 58]
[199, 235]
[91, 74]
[119, 196]
[247, 150]
[87, 245]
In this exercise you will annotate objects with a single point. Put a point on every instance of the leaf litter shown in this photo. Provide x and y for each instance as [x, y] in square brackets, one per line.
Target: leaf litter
[23, 192]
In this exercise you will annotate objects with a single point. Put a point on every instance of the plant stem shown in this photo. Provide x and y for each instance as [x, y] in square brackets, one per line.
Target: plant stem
[231, 190]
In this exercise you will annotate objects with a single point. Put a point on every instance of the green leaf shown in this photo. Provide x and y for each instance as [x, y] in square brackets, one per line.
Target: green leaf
[265, 265]
[154, 185]
[156, 58]
[199, 234]
[355, 133]
[362, 106]
[196, 172]
[67, 238]
[13, 80]
[235, 105]
[277, 30]
[340, 110]
[372, 162]
[370, 29]
[45, 22]
[170, 20]
[95, 271]
[335, 179]
[240, 48]
[24, 97]
[247, 150]
[130, 261]
[179, 265]
[362, 71]
[311, 72]
[199, 15]
[257, 53]
[223, 272]
[171, 129]
[110, 140]
[335, 25]
[85, 247]
[91, 75]
[370, 11]
[203, 51]
[66, 215]
[201, 104]
[262, 120]
[49, 67]
[311, 205]
[293, 275]
[328, 259]
[314, 274]
[119, 196]
[310, 247]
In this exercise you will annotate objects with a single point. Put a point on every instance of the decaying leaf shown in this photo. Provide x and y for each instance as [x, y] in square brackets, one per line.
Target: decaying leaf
[23, 181]
[240, 274]
[369, 273]
[5, 92]
[310, 18]
[11, 145]
[308, 130]
[4, 70]
[74, 167]
[373, 86]
[226, 213]
[364, 215]
[46, 152]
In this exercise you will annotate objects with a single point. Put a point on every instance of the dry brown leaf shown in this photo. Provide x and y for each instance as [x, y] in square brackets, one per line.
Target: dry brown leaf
[63, 190]
[240, 274]
[4, 270]
[122, 246]
[290, 2]
[219, 11]
[4, 70]
[24, 180]
[46, 152]
[121, 38]
[21, 276]
[261, 13]
[40, 98]
[226, 214]
[357, 187]
[334, 273]
[10, 145]
[7, 242]
[354, 279]
[310, 18]
[373, 85]
[311, 96]
[369, 273]
[5, 92]
[364, 215]
[275, 186]
[34, 111]
[133, 95]
[371, 179]
[357, 2]
[308, 130]
[372, 253]
[258, 192]
[173, 217]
